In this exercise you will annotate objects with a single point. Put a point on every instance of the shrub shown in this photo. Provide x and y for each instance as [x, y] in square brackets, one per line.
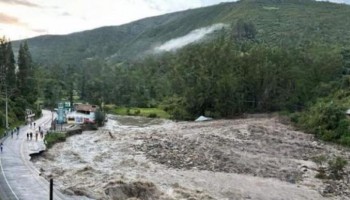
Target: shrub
[345, 140]
[321, 174]
[53, 138]
[336, 167]
[320, 162]
[294, 117]
[326, 120]
[100, 117]
[175, 106]
[152, 115]
[137, 112]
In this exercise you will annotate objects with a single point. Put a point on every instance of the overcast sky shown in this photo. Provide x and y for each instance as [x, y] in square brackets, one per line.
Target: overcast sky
[27, 18]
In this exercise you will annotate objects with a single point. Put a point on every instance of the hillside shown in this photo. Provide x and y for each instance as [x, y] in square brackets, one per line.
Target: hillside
[278, 21]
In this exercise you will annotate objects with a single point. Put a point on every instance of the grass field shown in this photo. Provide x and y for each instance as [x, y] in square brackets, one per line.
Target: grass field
[145, 112]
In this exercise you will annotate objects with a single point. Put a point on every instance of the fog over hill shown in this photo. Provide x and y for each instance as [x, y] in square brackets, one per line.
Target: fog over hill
[192, 37]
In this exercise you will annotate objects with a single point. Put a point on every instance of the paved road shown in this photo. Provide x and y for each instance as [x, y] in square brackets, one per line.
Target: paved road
[19, 178]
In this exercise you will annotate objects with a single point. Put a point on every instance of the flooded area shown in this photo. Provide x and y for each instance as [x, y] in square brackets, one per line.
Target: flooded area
[142, 158]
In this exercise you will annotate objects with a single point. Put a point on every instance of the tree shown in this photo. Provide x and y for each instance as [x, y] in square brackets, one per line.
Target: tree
[243, 30]
[25, 77]
[7, 65]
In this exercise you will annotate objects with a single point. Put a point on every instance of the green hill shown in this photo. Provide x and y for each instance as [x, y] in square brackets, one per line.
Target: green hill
[283, 22]
[274, 55]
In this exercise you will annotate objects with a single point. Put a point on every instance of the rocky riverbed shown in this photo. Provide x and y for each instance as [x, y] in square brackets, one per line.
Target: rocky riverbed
[139, 158]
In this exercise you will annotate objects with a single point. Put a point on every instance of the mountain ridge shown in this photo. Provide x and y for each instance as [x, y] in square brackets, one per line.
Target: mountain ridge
[275, 20]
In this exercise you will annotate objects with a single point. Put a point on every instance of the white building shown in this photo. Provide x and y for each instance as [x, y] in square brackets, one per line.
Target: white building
[84, 113]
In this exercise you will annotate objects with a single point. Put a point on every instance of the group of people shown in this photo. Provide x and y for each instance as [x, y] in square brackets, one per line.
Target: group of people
[13, 131]
[30, 134]
[33, 124]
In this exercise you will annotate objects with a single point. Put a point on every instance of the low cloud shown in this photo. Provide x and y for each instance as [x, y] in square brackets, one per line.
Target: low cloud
[192, 37]
[7, 19]
[39, 30]
[20, 2]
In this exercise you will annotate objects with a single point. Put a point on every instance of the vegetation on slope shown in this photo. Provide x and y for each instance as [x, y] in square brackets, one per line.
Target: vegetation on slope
[287, 22]
[17, 85]
[284, 56]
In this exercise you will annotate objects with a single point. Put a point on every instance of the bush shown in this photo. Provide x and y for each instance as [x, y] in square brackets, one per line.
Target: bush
[175, 106]
[53, 138]
[294, 117]
[152, 115]
[320, 160]
[326, 120]
[100, 118]
[137, 112]
[336, 167]
[345, 140]
[321, 174]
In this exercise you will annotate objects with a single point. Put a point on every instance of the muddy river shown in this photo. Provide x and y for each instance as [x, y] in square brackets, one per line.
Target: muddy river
[141, 158]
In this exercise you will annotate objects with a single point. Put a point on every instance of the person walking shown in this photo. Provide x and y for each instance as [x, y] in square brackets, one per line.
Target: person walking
[36, 136]
[1, 147]
[11, 133]
[31, 136]
[27, 136]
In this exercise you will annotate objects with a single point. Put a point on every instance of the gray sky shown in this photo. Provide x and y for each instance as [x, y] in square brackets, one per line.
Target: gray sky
[27, 18]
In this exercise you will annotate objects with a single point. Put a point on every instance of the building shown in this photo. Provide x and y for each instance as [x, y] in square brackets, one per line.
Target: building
[83, 113]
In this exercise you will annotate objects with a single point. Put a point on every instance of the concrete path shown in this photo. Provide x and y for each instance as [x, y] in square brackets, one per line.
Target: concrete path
[21, 178]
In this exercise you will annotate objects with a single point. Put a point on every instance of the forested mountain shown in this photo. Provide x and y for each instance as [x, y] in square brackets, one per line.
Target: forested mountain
[289, 56]
[283, 22]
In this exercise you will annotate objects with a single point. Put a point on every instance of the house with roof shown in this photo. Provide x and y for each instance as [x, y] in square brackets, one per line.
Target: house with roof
[83, 113]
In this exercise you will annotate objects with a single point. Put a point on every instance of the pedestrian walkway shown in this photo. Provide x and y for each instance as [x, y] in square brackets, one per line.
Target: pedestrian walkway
[22, 178]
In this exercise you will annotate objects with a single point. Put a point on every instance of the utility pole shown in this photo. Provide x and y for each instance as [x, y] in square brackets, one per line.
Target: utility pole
[7, 119]
[51, 189]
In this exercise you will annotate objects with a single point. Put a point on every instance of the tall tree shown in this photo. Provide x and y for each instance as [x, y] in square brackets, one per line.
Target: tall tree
[25, 77]
[7, 66]
[10, 67]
